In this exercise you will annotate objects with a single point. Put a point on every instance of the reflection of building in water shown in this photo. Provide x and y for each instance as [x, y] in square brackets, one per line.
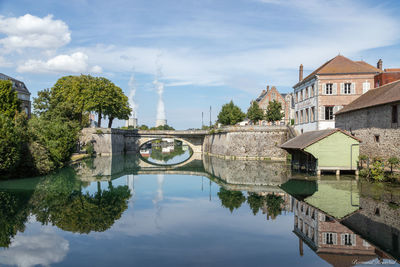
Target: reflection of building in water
[378, 219]
[130, 182]
[332, 241]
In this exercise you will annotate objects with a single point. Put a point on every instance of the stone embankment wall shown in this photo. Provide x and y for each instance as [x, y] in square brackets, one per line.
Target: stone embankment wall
[248, 172]
[259, 142]
[380, 137]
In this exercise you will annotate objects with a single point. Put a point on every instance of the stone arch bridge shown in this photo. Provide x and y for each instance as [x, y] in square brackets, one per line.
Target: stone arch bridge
[117, 141]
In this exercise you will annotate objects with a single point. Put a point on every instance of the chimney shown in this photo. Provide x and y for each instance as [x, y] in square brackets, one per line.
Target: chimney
[301, 73]
[267, 88]
[379, 64]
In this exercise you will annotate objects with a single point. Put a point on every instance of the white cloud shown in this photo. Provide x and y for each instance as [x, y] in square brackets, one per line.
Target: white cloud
[33, 32]
[74, 63]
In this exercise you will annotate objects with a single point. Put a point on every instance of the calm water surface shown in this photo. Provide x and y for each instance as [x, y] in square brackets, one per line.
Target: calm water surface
[121, 211]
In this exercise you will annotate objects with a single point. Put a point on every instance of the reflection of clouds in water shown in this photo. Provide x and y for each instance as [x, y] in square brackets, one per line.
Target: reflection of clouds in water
[186, 216]
[42, 248]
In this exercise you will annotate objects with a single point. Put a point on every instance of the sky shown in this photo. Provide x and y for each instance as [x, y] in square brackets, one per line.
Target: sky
[204, 53]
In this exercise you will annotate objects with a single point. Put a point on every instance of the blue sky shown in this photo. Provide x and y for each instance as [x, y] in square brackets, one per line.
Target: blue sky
[204, 52]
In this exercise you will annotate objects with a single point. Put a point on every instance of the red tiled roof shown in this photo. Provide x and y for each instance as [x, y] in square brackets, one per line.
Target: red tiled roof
[387, 93]
[341, 65]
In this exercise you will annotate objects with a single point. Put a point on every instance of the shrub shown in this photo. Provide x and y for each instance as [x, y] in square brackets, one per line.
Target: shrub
[378, 170]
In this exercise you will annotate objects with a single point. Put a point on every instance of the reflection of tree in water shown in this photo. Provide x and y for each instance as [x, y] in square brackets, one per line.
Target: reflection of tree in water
[274, 205]
[156, 153]
[255, 202]
[231, 199]
[14, 213]
[71, 210]
[272, 202]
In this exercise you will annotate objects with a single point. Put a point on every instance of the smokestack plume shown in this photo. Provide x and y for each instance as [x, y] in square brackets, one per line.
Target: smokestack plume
[301, 73]
[132, 93]
[161, 117]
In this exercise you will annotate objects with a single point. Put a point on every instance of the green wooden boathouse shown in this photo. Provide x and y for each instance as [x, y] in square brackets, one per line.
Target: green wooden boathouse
[325, 150]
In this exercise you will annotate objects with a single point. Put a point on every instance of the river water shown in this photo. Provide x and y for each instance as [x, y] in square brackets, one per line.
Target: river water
[123, 211]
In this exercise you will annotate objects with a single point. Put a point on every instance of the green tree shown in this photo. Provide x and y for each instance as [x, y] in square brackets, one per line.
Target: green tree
[230, 114]
[393, 161]
[9, 102]
[231, 199]
[274, 111]
[143, 127]
[255, 113]
[117, 105]
[58, 137]
[69, 99]
[10, 145]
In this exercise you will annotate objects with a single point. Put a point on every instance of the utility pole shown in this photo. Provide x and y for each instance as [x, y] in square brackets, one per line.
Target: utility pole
[210, 117]
[202, 121]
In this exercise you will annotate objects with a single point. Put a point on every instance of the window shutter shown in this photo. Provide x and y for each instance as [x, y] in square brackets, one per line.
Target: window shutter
[323, 238]
[353, 88]
[353, 239]
[342, 239]
[323, 89]
[322, 113]
[334, 89]
[335, 109]
[335, 238]
[316, 89]
[342, 88]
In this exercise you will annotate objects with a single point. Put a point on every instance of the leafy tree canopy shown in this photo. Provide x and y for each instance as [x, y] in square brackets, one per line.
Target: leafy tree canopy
[230, 114]
[231, 199]
[255, 113]
[9, 102]
[274, 111]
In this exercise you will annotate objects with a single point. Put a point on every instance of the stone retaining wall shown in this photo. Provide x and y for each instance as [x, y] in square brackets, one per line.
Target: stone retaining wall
[247, 143]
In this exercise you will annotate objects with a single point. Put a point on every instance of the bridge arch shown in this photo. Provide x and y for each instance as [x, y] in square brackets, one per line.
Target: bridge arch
[144, 140]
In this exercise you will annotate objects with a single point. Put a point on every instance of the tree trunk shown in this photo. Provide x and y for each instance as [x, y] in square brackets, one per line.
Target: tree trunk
[110, 120]
[99, 120]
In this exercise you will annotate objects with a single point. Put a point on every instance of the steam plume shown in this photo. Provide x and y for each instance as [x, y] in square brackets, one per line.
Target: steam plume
[132, 93]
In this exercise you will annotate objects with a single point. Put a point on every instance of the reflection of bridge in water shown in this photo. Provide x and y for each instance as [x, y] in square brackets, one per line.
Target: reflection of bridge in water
[253, 176]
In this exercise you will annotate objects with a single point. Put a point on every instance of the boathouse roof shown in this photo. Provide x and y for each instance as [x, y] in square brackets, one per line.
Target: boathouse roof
[306, 139]
[385, 94]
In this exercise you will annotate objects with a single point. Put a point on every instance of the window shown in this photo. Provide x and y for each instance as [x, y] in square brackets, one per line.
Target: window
[297, 97]
[329, 88]
[348, 239]
[377, 212]
[376, 138]
[312, 90]
[328, 113]
[306, 96]
[301, 95]
[297, 117]
[312, 114]
[329, 238]
[394, 114]
[347, 89]
[366, 86]
[301, 117]
[307, 116]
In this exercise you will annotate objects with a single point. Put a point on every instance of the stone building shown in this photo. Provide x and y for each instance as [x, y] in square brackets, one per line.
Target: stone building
[23, 94]
[328, 89]
[272, 94]
[374, 118]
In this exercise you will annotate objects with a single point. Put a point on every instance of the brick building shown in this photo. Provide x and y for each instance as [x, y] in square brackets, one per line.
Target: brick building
[272, 94]
[374, 118]
[23, 93]
[328, 89]
[388, 76]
